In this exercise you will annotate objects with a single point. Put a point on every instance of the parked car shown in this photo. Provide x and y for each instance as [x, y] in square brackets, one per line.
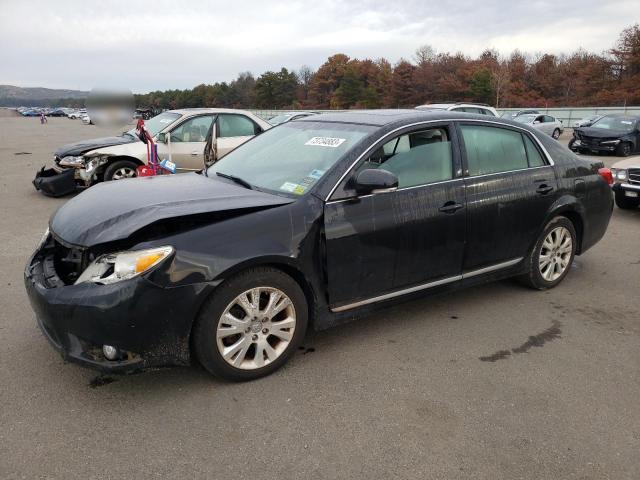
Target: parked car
[618, 133]
[75, 114]
[287, 117]
[545, 123]
[586, 121]
[180, 134]
[477, 108]
[308, 224]
[511, 115]
[626, 187]
[86, 119]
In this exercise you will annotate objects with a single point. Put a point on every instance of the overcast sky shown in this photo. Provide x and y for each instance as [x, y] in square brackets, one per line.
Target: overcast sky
[149, 45]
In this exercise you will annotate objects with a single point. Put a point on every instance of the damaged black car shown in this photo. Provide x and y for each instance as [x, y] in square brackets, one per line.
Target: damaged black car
[618, 134]
[305, 226]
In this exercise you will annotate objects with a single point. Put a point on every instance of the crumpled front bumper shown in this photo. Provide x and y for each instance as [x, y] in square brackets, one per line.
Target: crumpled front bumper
[55, 182]
[150, 323]
[578, 145]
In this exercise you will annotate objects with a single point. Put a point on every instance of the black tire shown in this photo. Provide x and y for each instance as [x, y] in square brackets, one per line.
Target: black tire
[624, 149]
[534, 278]
[205, 342]
[556, 134]
[626, 203]
[570, 144]
[118, 166]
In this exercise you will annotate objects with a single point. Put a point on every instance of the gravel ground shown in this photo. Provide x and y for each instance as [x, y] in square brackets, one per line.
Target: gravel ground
[402, 393]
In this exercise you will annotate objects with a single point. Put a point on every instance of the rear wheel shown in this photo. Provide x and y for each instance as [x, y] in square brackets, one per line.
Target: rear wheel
[251, 325]
[624, 149]
[120, 169]
[626, 203]
[550, 260]
[556, 133]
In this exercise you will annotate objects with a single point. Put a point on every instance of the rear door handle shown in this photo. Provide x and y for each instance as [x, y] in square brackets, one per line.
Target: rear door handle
[450, 207]
[544, 189]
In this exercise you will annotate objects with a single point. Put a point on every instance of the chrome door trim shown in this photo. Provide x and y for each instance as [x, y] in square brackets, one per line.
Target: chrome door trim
[417, 288]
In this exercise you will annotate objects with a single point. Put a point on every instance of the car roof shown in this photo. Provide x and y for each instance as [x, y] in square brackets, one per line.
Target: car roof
[194, 111]
[403, 116]
[453, 104]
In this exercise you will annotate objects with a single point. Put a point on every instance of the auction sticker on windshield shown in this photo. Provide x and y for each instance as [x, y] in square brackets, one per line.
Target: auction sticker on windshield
[326, 142]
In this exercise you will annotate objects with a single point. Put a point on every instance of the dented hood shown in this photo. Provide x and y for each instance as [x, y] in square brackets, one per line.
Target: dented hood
[78, 148]
[114, 210]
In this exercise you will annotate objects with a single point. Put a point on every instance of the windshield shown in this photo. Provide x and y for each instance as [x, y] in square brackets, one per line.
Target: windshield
[623, 124]
[507, 115]
[290, 159]
[278, 119]
[158, 123]
[528, 118]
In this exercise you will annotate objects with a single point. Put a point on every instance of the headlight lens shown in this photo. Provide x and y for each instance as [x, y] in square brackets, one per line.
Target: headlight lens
[610, 142]
[115, 267]
[621, 174]
[72, 161]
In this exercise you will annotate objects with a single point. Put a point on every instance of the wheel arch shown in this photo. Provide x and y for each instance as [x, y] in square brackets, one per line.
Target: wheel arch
[569, 207]
[287, 265]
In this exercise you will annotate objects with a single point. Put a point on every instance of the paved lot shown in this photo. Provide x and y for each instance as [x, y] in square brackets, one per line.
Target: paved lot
[399, 394]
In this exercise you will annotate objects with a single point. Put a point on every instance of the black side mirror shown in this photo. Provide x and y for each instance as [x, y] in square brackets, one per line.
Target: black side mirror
[375, 180]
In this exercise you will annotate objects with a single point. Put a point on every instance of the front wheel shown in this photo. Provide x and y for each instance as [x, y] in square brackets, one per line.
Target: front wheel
[550, 260]
[556, 134]
[626, 203]
[624, 149]
[120, 169]
[570, 144]
[251, 325]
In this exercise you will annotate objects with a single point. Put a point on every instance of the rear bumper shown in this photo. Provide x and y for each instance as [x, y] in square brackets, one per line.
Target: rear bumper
[149, 323]
[55, 182]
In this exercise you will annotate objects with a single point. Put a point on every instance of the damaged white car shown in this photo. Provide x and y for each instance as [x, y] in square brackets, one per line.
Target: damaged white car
[179, 134]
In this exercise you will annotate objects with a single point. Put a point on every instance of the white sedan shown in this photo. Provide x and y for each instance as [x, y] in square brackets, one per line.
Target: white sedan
[546, 123]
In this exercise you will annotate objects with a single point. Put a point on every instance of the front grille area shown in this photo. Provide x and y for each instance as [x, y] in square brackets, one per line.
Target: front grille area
[68, 263]
[634, 176]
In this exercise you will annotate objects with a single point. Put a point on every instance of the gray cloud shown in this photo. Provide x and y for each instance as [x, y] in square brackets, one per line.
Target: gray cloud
[167, 44]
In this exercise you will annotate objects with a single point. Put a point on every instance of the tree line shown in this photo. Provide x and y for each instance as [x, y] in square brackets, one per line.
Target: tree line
[581, 78]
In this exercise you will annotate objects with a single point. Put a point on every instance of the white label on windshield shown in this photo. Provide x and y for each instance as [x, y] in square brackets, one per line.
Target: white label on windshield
[165, 120]
[625, 122]
[326, 142]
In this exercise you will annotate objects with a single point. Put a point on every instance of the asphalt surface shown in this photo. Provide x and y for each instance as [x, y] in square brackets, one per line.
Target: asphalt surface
[402, 393]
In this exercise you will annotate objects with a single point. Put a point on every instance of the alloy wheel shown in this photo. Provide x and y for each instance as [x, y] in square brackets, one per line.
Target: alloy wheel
[256, 328]
[556, 134]
[555, 254]
[123, 172]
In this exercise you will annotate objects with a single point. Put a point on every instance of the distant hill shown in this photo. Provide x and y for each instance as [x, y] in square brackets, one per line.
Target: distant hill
[11, 96]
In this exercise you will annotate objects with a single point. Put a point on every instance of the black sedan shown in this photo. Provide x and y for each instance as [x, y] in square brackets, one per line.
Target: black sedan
[619, 134]
[308, 224]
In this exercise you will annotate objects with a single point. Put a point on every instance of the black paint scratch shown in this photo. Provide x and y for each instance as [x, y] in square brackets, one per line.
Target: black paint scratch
[538, 340]
[100, 381]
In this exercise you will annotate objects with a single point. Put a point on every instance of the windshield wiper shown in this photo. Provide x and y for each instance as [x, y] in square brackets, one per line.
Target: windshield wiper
[238, 180]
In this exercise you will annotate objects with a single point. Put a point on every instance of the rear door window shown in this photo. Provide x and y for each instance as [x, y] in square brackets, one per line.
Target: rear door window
[236, 126]
[493, 149]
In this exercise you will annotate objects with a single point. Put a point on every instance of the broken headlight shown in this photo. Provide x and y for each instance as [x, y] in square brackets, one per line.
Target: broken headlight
[115, 267]
[72, 161]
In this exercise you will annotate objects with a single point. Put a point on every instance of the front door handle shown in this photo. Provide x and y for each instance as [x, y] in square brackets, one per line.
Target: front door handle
[544, 189]
[450, 207]
[195, 153]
